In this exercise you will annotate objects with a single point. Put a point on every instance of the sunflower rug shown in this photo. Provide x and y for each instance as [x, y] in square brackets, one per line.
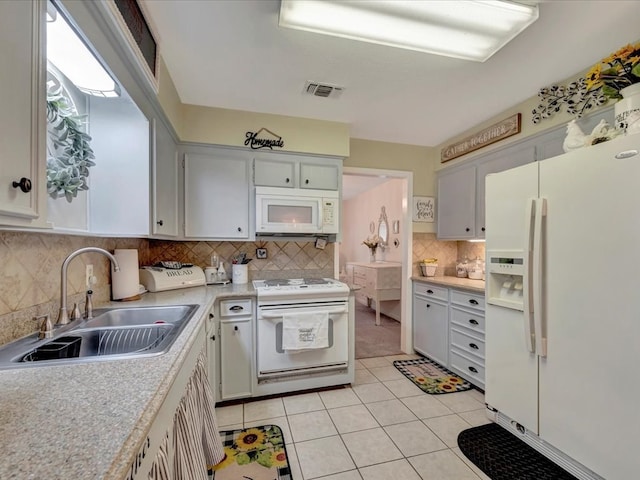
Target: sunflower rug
[431, 377]
[256, 453]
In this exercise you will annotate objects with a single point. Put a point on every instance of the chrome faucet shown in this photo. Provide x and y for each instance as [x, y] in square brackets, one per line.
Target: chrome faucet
[63, 317]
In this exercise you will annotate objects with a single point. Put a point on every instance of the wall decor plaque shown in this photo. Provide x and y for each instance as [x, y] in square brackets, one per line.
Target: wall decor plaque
[263, 138]
[494, 133]
[424, 209]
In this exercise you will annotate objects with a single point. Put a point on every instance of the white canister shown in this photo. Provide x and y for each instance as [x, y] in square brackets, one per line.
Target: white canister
[240, 273]
[211, 274]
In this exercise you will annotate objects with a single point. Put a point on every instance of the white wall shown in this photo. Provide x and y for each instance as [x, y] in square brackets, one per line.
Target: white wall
[360, 211]
[119, 183]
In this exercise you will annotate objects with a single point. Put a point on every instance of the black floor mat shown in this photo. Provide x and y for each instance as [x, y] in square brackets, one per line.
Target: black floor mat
[502, 456]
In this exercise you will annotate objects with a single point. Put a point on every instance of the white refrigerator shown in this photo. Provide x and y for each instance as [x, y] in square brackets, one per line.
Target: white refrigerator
[563, 306]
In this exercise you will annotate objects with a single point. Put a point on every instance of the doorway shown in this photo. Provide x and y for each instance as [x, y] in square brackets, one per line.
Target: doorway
[368, 195]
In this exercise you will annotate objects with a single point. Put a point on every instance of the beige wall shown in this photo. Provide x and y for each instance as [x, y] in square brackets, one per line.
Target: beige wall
[169, 99]
[220, 126]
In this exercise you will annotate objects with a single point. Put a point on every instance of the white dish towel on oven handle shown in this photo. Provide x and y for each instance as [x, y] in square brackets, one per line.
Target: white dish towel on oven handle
[305, 331]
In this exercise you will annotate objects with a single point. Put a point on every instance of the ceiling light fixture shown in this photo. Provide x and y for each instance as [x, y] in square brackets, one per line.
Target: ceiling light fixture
[67, 51]
[466, 29]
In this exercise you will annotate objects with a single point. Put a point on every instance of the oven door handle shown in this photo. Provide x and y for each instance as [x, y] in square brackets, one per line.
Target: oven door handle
[272, 316]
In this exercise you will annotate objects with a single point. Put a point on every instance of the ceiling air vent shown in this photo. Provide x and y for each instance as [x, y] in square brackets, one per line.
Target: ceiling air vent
[323, 90]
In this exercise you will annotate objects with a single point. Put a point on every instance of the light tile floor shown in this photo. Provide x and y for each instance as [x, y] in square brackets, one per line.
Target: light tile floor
[384, 427]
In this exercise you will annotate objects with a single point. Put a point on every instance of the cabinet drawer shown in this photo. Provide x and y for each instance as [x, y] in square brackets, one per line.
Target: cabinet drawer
[431, 291]
[469, 369]
[467, 319]
[472, 344]
[236, 308]
[467, 299]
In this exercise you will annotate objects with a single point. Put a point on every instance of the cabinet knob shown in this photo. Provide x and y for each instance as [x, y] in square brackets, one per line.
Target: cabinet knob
[473, 369]
[160, 222]
[24, 184]
[428, 305]
[211, 315]
[482, 229]
[239, 229]
[467, 229]
[213, 337]
[235, 328]
[306, 181]
[473, 321]
[474, 346]
[286, 180]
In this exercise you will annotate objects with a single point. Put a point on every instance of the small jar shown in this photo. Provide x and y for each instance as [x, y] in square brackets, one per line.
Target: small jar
[475, 269]
[461, 268]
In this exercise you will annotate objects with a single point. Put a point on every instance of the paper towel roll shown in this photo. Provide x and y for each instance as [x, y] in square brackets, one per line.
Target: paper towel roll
[125, 283]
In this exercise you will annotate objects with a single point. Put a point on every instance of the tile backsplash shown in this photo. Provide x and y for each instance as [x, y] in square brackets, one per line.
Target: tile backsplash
[30, 266]
[425, 245]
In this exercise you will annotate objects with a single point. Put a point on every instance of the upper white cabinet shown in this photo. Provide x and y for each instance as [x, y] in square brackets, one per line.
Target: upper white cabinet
[216, 193]
[457, 203]
[461, 188]
[294, 171]
[22, 117]
[461, 192]
[164, 221]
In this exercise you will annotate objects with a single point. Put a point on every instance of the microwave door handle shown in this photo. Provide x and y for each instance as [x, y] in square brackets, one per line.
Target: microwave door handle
[320, 215]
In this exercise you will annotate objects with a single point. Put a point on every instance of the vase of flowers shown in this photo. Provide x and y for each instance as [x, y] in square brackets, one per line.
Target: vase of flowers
[618, 77]
[372, 243]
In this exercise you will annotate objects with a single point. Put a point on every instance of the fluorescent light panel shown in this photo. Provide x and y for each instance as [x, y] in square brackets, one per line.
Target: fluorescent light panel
[466, 29]
[67, 51]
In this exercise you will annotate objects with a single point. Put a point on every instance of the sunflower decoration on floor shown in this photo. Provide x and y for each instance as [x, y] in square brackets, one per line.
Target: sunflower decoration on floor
[262, 445]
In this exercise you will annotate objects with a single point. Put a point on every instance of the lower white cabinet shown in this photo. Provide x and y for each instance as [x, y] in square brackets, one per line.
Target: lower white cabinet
[236, 326]
[430, 322]
[448, 327]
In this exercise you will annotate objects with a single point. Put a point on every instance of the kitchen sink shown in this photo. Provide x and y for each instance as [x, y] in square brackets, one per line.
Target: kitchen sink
[112, 334]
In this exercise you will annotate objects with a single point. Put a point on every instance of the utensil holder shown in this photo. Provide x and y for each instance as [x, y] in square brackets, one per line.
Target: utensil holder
[428, 269]
[240, 273]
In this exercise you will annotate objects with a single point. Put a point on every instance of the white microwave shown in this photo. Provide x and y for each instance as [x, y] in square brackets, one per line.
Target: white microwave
[296, 211]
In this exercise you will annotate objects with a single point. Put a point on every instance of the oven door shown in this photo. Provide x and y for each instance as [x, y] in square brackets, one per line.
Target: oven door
[274, 361]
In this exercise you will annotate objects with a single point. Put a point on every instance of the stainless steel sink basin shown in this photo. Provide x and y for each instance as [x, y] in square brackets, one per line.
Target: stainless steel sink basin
[111, 334]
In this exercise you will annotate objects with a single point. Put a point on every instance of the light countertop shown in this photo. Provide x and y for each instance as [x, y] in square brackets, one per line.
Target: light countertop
[476, 286]
[88, 421]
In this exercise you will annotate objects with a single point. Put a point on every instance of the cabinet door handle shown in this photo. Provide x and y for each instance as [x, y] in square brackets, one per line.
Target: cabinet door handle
[473, 302]
[467, 229]
[428, 305]
[160, 222]
[213, 337]
[482, 229]
[473, 321]
[474, 346]
[239, 229]
[473, 369]
[237, 308]
[211, 315]
[306, 181]
[286, 180]
[429, 291]
[235, 328]
[24, 184]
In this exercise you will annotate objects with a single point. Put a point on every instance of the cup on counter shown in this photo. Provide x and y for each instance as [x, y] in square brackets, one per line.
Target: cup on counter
[240, 273]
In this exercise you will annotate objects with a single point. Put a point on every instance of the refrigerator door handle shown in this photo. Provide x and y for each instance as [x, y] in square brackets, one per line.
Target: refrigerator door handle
[527, 304]
[538, 317]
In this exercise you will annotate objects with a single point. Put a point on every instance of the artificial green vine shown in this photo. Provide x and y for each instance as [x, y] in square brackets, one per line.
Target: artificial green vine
[68, 164]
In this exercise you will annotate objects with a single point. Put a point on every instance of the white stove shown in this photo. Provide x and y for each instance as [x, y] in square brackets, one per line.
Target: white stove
[300, 288]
